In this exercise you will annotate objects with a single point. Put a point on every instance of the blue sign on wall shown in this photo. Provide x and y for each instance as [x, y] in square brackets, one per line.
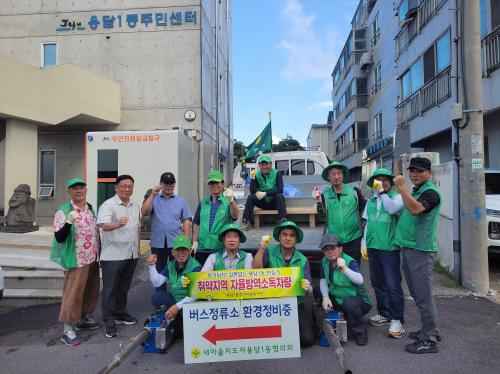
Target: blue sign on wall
[379, 147]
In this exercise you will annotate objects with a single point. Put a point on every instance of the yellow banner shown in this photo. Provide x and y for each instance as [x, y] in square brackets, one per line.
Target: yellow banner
[246, 284]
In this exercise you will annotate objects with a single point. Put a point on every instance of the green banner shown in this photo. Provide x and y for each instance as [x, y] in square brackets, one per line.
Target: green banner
[262, 144]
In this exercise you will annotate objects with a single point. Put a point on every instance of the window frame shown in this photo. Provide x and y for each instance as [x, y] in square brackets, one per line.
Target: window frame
[46, 185]
[42, 54]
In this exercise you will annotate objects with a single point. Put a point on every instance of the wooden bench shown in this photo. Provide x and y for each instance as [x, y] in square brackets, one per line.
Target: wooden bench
[311, 212]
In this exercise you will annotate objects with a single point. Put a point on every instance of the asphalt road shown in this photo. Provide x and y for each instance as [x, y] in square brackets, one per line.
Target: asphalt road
[29, 343]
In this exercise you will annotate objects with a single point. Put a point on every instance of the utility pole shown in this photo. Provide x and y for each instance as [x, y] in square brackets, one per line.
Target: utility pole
[473, 229]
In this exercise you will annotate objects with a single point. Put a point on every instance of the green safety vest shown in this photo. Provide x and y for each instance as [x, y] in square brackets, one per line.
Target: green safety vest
[419, 231]
[267, 184]
[342, 215]
[174, 280]
[65, 253]
[277, 260]
[382, 229]
[209, 239]
[219, 260]
[342, 286]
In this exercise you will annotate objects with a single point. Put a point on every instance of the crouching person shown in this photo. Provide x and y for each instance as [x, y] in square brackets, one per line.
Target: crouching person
[284, 254]
[232, 257]
[172, 274]
[341, 287]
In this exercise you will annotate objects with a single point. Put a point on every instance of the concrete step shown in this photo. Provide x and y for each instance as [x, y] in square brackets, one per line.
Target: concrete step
[26, 259]
[34, 279]
[30, 293]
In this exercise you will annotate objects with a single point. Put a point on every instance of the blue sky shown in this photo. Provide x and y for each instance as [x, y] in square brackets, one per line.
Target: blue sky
[283, 54]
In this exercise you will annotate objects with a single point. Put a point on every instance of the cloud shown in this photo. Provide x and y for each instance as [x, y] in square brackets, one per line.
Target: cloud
[321, 105]
[310, 53]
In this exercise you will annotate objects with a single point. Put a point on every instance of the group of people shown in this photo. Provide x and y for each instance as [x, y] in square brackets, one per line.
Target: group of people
[398, 222]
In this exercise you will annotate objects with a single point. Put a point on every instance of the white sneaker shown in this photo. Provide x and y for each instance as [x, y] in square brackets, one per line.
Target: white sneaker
[378, 320]
[396, 329]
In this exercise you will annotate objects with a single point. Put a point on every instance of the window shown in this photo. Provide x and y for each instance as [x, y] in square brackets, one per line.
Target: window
[377, 75]
[377, 128]
[403, 10]
[49, 54]
[483, 16]
[429, 65]
[107, 163]
[47, 173]
[360, 40]
[412, 80]
[282, 166]
[375, 31]
[443, 52]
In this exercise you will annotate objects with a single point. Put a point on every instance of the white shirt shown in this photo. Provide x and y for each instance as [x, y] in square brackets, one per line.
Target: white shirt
[229, 263]
[121, 243]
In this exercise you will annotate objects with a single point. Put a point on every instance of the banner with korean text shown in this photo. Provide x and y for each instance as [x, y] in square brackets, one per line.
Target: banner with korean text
[246, 284]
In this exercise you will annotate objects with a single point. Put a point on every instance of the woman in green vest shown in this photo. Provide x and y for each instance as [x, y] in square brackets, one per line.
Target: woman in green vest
[416, 234]
[381, 214]
[343, 205]
[212, 213]
[341, 287]
[284, 254]
[172, 274]
[266, 192]
[232, 257]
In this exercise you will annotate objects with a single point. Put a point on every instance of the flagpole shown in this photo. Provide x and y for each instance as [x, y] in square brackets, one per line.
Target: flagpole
[271, 131]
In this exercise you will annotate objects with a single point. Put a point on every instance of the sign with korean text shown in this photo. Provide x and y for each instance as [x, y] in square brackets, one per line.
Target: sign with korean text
[246, 283]
[216, 331]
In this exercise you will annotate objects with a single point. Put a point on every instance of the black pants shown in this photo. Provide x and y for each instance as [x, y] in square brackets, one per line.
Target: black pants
[307, 325]
[116, 280]
[353, 249]
[163, 256]
[278, 203]
[354, 308]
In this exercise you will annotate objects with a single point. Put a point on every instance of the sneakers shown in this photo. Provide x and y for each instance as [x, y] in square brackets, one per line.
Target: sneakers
[125, 319]
[70, 338]
[396, 329]
[416, 334]
[110, 330]
[420, 347]
[87, 324]
[378, 320]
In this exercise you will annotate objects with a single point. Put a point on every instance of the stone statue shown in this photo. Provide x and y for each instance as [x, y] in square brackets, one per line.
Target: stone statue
[21, 207]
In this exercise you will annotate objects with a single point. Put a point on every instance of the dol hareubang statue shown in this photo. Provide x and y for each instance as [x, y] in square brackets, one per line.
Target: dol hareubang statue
[21, 212]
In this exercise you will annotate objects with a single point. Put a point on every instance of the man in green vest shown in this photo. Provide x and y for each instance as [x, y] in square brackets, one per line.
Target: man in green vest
[212, 214]
[172, 274]
[232, 257]
[416, 234]
[266, 192]
[343, 205]
[284, 254]
[378, 245]
[341, 286]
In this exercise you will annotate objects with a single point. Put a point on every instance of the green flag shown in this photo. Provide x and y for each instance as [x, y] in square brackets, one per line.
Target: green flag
[262, 144]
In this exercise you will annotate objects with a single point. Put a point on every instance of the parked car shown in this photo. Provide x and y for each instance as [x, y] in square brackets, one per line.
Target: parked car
[1, 283]
[492, 187]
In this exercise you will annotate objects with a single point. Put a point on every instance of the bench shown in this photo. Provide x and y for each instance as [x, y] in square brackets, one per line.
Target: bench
[311, 212]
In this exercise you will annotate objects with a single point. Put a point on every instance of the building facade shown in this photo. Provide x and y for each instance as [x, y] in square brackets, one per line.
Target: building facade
[168, 60]
[320, 137]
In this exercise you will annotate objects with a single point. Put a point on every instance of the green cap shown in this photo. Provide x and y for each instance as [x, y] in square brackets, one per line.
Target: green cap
[232, 227]
[338, 165]
[74, 181]
[264, 158]
[286, 225]
[181, 241]
[378, 172]
[215, 176]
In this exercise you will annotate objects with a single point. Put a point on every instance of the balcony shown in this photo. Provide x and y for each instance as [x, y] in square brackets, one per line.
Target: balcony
[413, 26]
[431, 94]
[490, 48]
[357, 145]
[357, 101]
[354, 58]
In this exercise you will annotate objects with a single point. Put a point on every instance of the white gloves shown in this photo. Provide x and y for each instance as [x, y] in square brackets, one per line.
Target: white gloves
[305, 284]
[377, 186]
[185, 281]
[72, 216]
[326, 303]
[260, 195]
[194, 247]
[266, 239]
[228, 194]
[341, 263]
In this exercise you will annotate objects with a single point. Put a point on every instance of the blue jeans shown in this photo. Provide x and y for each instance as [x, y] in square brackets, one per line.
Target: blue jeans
[385, 276]
[160, 298]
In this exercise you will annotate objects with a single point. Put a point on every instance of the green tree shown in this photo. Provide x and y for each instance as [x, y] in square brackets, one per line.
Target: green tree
[239, 150]
[287, 144]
